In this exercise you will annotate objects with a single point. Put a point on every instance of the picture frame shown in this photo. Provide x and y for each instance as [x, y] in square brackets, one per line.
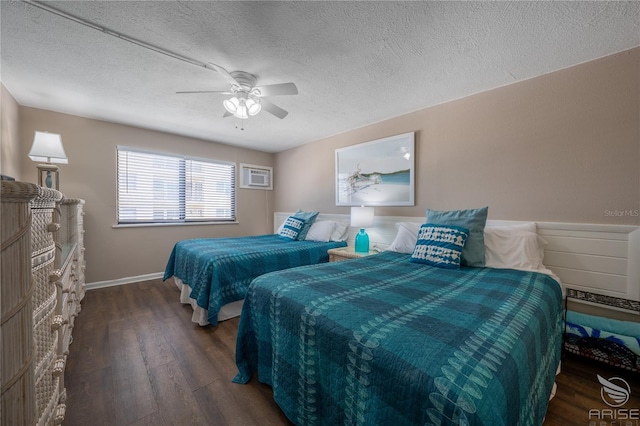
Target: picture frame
[377, 173]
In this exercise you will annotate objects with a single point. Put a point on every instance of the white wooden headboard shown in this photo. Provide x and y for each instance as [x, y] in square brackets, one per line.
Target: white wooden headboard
[598, 258]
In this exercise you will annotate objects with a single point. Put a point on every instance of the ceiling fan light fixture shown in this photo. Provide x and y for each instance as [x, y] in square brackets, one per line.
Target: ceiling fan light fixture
[246, 99]
[231, 105]
[253, 107]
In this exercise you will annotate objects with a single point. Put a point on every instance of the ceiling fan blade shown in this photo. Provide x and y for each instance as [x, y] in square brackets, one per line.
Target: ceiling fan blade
[273, 109]
[277, 89]
[225, 73]
[227, 114]
[224, 92]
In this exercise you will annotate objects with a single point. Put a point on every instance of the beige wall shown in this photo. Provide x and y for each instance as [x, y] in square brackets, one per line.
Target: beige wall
[9, 137]
[91, 175]
[562, 147]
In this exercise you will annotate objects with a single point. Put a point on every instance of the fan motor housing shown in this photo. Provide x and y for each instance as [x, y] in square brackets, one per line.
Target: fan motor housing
[247, 81]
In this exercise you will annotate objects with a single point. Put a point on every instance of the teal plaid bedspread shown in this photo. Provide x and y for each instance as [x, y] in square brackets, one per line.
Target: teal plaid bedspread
[383, 341]
[219, 270]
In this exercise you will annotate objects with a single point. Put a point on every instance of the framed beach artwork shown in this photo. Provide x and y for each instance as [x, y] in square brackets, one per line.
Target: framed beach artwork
[376, 173]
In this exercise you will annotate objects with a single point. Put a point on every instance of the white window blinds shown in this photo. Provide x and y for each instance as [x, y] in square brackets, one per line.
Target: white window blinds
[160, 188]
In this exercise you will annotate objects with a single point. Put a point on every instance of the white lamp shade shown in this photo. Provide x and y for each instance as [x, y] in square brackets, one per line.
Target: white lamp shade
[253, 107]
[241, 111]
[362, 217]
[231, 105]
[47, 147]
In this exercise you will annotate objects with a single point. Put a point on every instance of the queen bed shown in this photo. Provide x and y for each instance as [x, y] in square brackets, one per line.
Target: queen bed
[213, 274]
[387, 339]
[381, 340]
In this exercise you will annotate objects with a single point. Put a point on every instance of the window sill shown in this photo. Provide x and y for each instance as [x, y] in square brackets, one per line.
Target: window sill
[151, 225]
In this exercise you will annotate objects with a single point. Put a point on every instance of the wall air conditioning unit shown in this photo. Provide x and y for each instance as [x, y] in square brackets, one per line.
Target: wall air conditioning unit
[256, 177]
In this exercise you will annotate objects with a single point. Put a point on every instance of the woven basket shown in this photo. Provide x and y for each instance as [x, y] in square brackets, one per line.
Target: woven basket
[602, 350]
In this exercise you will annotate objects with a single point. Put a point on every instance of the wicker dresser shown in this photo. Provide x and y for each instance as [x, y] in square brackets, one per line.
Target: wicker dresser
[42, 283]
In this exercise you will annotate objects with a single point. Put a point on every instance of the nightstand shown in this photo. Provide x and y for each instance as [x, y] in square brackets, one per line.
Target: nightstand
[346, 253]
[591, 345]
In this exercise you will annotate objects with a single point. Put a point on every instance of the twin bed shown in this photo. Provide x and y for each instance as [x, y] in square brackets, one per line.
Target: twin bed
[213, 274]
[382, 339]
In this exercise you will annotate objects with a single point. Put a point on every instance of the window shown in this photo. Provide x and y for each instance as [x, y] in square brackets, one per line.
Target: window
[160, 188]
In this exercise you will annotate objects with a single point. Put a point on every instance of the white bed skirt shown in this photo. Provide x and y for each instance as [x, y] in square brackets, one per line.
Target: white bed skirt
[228, 311]
[555, 384]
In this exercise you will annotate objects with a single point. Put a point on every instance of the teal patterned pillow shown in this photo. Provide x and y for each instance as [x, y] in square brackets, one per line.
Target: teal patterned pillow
[440, 245]
[309, 218]
[474, 220]
[292, 227]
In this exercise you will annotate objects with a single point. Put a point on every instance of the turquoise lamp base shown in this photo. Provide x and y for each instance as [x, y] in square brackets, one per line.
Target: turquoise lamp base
[48, 176]
[48, 180]
[362, 242]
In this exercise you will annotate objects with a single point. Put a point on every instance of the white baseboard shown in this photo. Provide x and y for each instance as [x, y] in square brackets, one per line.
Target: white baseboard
[125, 280]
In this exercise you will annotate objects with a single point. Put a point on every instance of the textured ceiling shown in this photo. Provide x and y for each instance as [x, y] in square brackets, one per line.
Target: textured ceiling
[355, 63]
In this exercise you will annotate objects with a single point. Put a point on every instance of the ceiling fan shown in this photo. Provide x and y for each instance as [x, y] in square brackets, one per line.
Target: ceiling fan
[249, 99]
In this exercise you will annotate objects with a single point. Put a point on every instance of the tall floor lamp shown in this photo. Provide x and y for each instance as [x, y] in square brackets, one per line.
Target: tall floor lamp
[362, 217]
[47, 147]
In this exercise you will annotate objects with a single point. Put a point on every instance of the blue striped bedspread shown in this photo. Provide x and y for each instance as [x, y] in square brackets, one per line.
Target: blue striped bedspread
[219, 270]
[384, 341]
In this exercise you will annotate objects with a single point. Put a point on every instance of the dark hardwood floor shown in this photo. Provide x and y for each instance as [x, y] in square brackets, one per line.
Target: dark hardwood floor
[137, 359]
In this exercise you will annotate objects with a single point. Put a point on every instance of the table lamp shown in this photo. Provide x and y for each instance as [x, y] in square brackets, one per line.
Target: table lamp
[362, 217]
[48, 147]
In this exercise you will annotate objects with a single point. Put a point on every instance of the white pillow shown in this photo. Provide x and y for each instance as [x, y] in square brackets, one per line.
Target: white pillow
[320, 231]
[513, 247]
[340, 233]
[406, 237]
